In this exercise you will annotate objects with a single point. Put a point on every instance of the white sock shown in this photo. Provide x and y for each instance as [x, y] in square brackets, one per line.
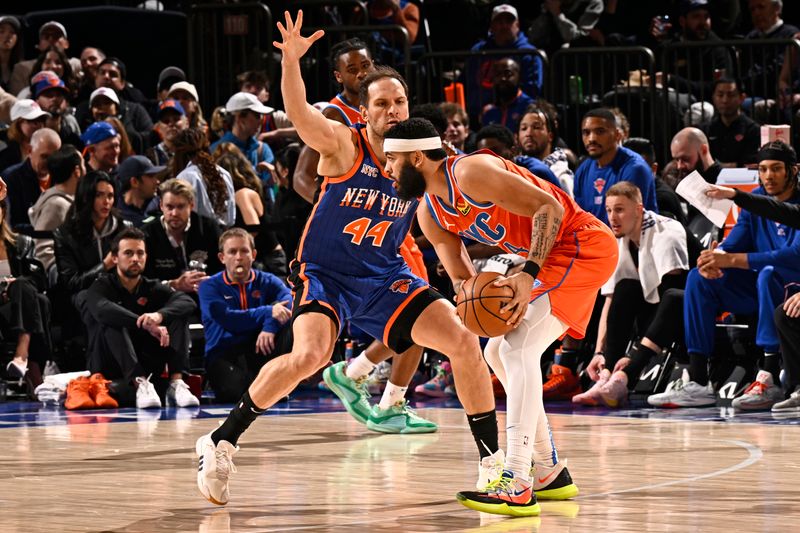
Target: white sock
[544, 448]
[391, 395]
[359, 367]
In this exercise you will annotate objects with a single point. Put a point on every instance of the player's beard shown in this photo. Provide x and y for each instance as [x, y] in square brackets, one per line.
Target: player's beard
[411, 183]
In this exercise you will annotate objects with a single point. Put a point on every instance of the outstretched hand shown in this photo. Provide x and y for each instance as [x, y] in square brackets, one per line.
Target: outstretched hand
[719, 192]
[294, 45]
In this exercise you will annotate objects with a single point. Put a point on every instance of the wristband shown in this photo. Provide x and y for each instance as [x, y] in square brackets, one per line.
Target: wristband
[531, 268]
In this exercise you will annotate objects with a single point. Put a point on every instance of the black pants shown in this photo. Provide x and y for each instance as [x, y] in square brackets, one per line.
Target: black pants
[232, 372]
[789, 334]
[28, 311]
[130, 352]
[629, 309]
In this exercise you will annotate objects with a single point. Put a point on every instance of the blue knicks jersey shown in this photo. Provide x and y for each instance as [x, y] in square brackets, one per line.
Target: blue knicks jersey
[358, 222]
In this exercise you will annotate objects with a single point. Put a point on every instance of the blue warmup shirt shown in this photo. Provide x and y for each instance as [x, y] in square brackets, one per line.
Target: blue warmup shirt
[592, 182]
[538, 168]
[235, 314]
[766, 242]
[255, 151]
[511, 115]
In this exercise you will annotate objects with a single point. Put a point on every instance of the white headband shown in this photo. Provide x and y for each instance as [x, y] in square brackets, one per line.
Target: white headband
[411, 145]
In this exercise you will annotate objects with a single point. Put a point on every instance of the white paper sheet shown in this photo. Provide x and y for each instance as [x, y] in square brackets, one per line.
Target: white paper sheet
[693, 188]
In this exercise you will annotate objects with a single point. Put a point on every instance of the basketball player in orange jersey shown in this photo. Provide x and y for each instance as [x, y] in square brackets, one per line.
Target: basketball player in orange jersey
[569, 253]
[348, 268]
[352, 62]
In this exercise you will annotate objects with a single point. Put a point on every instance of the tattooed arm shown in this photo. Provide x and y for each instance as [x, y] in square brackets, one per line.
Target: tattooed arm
[485, 179]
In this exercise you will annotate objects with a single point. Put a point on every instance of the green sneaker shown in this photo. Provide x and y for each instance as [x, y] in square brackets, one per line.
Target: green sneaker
[399, 418]
[354, 394]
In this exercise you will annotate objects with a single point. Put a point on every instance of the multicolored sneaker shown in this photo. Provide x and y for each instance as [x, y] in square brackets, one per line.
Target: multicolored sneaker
[399, 418]
[761, 395]
[562, 385]
[683, 392]
[506, 495]
[615, 392]
[376, 381]
[592, 396]
[436, 387]
[353, 394]
[490, 468]
[553, 482]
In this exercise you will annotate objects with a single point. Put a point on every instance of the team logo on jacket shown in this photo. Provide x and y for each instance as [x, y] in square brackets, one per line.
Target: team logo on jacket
[599, 185]
[401, 286]
[256, 294]
[142, 301]
[462, 206]
[739, 137]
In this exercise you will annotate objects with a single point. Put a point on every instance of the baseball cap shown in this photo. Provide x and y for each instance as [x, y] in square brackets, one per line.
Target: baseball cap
[170, 104]
[504, 8]
[104, 91]
[45, 80]
[53, 24]
[136, 166]
[98, 132]
[27, 109]
[184, 86]
[169, 76]
[690, 5]
[241, 101]
[9, 19]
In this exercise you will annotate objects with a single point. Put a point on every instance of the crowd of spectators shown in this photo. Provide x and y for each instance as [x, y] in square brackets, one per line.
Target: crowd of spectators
[129, 217]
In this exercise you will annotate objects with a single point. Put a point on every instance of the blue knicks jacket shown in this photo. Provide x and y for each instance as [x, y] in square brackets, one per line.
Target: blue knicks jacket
[765, 242]
[592, 182]
[235, 314]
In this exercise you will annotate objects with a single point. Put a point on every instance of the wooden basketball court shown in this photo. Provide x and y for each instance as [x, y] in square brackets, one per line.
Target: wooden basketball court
[300, 469]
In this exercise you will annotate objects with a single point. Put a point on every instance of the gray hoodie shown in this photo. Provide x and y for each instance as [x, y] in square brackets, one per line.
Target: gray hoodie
[48, 213]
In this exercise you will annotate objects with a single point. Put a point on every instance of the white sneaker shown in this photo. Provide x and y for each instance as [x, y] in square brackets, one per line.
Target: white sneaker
[216, 465]
[179, 395]
[490, 468]
[684, 393]
[761, 395]
[50, 369]
[146, 395]
[790, 405]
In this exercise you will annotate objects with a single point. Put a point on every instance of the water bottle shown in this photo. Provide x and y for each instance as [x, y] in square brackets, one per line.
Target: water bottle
[575, 89]
[348, 351]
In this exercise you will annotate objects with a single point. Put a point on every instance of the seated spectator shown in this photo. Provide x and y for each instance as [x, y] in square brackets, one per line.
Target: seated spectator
[250, 208]
[608, 163]
[733, 137]
[10, 48]
[83, 241]
[500, 140]
[138, 180]
[91, 58]
[104, 103]
[66, 169]
[247, 112]
[565, 22]
[212, 185]
[29, 179]
[388, 45]
[182, 243]
[745, 275]
[276, 128]
[166, 79]
[137, 326]
[691, 151]
[186, 93]
[291, 209]
[655, 254]
[52, 96]
[103, 146]
[765, 63]
[503, 34]
[51, 33]
[457, 131]
[245, 317]
[26, 117]
[24, 309]
[536, 137]
[54, 60]
[171, 121]
[126, 149]
[113, 74]
[669, 203]
[509, 100]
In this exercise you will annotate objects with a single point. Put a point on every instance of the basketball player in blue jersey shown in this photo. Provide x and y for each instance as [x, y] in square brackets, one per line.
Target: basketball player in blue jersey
[348, 268]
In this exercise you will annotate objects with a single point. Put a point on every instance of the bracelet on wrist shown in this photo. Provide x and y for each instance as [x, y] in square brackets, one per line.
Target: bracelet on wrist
[531, 268]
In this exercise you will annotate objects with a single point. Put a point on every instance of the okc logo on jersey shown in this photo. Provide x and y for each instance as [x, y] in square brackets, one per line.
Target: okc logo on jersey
[369, 170]
[463, 207]
[401, 286]
[599, 185]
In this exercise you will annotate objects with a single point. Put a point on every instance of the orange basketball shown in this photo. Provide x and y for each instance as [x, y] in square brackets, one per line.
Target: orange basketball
[479, 302]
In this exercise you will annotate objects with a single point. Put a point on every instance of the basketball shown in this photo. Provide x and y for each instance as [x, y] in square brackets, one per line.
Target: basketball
[479, 302]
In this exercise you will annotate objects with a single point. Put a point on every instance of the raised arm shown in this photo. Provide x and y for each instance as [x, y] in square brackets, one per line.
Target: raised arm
[324, 136]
